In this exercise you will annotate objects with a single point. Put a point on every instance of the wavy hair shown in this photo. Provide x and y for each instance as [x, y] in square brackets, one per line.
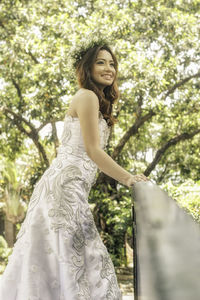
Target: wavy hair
[110, 93]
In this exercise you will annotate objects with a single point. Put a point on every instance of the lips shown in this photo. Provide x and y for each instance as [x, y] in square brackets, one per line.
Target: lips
[107, 76]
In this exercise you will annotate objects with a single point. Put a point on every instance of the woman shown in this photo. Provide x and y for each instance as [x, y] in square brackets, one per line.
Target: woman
[58, 253]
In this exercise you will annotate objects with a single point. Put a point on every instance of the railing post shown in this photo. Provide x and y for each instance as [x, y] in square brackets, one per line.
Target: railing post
[135, 259]
[135, 264]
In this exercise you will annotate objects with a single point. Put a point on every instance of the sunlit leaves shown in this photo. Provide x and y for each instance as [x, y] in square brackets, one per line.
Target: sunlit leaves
[157, 45]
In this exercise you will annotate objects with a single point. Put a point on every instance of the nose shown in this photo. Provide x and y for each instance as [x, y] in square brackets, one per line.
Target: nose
[108, 68]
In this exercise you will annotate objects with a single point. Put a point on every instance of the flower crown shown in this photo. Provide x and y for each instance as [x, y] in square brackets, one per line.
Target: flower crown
[78, 52]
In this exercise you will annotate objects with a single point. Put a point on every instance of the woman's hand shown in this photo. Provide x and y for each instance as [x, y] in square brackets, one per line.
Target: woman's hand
[136, 178]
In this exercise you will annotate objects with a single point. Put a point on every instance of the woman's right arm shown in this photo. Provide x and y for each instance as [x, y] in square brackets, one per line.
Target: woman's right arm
[87, 109]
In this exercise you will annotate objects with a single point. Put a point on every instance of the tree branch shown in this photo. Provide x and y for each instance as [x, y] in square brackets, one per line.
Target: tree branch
[16, 85]
[32, 57]
[2, 25]
[20, 118]
[163, 149]
[131, 131]
[32, 134]
[47, 122]
[180, 83]
[20, 127]
[55, 137]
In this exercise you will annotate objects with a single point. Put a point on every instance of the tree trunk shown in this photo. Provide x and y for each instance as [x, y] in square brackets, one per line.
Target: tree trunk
[9, 233]
[1, 223]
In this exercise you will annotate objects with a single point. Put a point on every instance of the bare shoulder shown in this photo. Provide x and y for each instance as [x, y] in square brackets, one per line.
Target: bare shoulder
[86, 97]
[83, 98]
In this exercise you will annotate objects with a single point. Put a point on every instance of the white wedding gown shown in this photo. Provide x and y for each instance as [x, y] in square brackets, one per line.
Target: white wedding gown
[59, 254]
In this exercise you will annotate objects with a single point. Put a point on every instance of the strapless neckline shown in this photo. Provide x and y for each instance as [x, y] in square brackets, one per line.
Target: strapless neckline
[77, 119]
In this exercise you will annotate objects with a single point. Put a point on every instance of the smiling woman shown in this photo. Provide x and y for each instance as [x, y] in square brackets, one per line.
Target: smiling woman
[59, 253]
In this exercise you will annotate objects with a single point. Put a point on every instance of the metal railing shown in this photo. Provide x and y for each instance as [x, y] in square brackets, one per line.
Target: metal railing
[166, 247]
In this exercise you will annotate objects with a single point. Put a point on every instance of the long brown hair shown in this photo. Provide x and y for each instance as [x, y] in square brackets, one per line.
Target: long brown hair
[110, 93]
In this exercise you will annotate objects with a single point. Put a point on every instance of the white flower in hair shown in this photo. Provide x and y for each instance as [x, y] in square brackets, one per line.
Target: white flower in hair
[78, 51]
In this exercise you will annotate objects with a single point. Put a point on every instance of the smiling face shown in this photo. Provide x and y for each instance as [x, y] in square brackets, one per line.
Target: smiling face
[103, 70]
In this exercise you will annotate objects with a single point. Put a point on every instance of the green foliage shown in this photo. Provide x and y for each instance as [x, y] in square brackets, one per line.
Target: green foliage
[157, 45]
[112, 214]
[10, 192]
[5, 251]
[187, 195]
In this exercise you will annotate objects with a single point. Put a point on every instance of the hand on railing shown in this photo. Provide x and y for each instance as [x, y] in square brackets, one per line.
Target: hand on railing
[136, 178]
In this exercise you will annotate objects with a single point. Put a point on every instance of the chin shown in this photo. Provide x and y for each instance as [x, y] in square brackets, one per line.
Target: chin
[103, 84]
[107, 83]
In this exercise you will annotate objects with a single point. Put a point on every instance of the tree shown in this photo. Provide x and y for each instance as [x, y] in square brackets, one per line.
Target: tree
[11, 202]
[157, 44]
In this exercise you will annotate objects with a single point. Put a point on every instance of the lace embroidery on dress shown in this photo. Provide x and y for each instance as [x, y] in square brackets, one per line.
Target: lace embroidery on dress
[65, 257]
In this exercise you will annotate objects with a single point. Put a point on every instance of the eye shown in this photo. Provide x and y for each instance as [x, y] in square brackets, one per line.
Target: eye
[101, 62]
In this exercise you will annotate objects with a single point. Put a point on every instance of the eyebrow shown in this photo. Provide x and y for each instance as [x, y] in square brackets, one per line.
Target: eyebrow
[104, 59]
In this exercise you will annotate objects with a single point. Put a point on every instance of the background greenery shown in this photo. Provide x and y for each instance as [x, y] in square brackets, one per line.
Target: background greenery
[157, 45]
